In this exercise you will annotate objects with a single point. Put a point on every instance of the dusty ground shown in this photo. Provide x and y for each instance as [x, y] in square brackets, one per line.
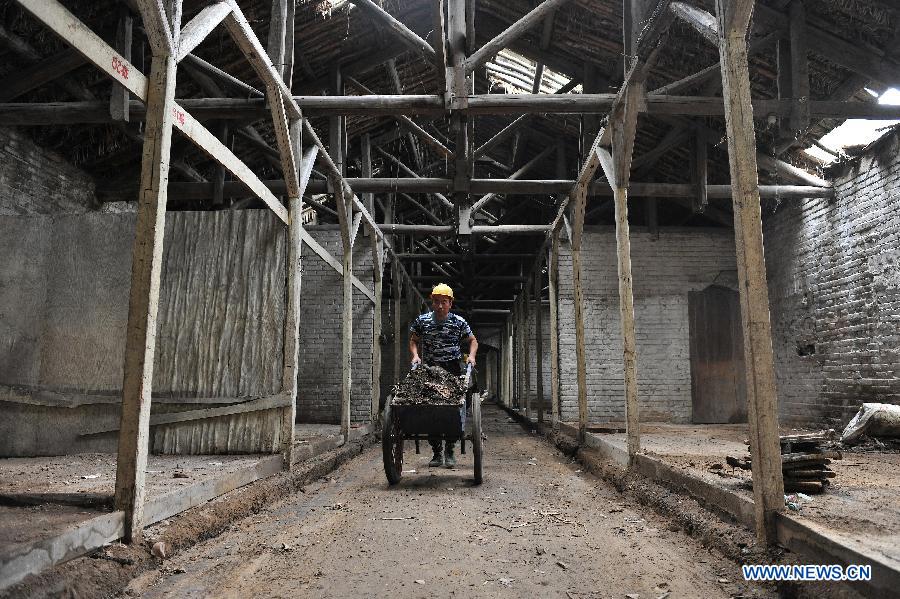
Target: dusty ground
[863, 501]
[536, 527]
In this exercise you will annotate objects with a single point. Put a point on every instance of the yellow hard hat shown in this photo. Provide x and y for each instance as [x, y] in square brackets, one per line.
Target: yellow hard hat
[442, 289]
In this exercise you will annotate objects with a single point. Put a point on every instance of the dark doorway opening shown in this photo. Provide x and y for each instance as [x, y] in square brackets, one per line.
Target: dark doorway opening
[718, 384]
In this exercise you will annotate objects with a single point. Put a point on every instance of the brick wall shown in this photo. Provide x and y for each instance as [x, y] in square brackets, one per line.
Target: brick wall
[834, 292]
[320, 335]
[665, 269]
[36, 181]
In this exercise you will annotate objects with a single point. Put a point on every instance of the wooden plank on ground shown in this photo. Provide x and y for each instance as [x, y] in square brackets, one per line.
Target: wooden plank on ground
[255, 405]
[96, 532]
[168, 505]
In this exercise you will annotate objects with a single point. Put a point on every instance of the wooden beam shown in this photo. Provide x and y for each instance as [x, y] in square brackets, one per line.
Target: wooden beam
[857, 58]
[403, 33]
[479, 205]
[222, 76]
[104, 57]
[440, 42]
[41, 73]
[156, 24]
[514, 31]
[140, 343]
[200, 27]
[800, 95]
[700, 20]
[768, 488]
[55, 113]
[250, 46]
[440, 149]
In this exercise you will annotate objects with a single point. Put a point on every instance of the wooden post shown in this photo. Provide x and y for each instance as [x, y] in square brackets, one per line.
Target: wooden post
[799, 69]
[617, 168]
[399, 331]
[377, 272]
[345, 216]
[143, 303]
[526, 347]
[768, 487]
[539, 341]
[580, 365]
[553, 265]
[699, 173]
[119, 97]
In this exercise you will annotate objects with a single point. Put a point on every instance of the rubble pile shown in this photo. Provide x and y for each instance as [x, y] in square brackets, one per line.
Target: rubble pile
[429, 385]
[804, 461]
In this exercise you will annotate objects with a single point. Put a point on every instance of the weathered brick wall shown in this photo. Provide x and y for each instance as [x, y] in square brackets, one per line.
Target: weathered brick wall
[36, 181]
[320, 335]
[834, 291]
[665, 269]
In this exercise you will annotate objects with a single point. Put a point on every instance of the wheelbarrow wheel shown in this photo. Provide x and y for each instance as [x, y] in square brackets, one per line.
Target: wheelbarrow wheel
[391, 446]
[476, 436]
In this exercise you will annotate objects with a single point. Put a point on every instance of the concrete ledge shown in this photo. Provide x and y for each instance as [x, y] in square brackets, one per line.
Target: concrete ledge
[102, 530]
[819, 545]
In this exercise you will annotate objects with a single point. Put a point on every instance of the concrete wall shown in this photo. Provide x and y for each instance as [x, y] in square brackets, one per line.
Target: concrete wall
[36, 181]
[63, 311]
[665, 269]
[320, 335]
[834, 289]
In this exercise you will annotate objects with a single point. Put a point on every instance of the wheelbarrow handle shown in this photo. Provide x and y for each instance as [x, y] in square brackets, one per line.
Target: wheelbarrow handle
[468, 376]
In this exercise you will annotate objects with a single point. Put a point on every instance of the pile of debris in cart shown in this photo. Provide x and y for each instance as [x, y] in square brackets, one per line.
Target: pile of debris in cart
[430, 385]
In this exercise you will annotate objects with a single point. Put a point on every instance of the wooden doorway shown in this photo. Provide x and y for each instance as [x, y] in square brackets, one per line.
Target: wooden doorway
[718, 384]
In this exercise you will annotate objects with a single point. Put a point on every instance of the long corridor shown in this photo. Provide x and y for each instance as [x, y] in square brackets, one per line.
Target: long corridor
[537, 527]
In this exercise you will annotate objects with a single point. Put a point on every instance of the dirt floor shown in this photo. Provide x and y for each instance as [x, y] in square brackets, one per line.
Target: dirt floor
[863, 501]
[537, 527]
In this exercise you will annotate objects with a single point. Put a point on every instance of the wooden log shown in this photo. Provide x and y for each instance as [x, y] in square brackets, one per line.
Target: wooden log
[768, 488]
[804, 474]
[803, 486]
[791, 458]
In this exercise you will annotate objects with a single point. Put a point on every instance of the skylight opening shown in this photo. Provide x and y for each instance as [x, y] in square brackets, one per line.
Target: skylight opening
[516, 74]
[855, 132]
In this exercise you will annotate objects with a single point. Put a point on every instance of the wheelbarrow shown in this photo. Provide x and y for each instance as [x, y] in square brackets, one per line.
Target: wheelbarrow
[424, 422]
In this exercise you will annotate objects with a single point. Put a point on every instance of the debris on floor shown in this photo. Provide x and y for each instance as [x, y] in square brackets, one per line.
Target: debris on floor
[873, 420]
[804, 461]
[429, 385]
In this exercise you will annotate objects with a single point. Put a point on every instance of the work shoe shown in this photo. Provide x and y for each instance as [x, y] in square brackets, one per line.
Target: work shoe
[449, 458]
[437, 460]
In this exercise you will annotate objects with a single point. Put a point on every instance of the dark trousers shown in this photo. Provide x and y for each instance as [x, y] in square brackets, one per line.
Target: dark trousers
[454, 368]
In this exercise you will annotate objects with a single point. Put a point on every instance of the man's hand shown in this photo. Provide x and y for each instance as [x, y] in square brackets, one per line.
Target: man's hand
[470, 360]
[416, 361]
